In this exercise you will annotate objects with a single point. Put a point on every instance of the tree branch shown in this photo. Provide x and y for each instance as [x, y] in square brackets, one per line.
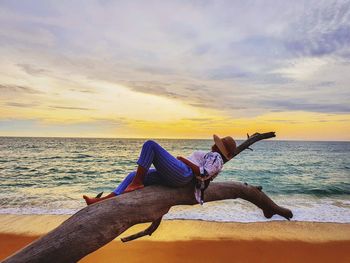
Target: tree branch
[148, 231]
[253, 139]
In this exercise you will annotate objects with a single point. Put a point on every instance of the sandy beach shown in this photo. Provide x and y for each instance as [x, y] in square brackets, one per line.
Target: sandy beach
[194, 241]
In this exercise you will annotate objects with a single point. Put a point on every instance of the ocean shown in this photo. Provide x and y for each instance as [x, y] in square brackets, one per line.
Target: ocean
[50, 175]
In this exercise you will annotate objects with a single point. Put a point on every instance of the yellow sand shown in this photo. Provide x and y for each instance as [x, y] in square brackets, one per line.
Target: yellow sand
[201, 241]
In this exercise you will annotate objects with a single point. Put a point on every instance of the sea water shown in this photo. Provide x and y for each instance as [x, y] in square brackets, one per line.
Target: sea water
[50, 175]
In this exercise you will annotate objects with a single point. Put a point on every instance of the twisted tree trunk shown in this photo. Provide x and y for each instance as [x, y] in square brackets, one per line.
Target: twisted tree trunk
[98, 224]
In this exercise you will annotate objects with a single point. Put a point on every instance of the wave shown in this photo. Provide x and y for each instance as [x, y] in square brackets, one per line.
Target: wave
[329, 191]
[325, 191]
[52, 158]
[79, 156]
[304, 209]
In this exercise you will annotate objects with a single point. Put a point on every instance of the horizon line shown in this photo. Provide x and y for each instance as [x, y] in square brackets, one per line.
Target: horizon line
[160, 138]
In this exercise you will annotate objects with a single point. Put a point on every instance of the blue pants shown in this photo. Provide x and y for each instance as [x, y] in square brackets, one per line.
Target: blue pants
[168, 170]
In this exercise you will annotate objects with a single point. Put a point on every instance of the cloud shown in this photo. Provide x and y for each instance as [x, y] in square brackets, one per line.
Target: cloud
[18, 89]
[285, 121]
[181, 90]
[228, 72]
[83, 90]
[301, 69]
[323, 30]
[323, 44]
[154, 70]
[237, 58]
[70, 108]
[32, 70]
[302, 105]
[40, 127]
[22, 105]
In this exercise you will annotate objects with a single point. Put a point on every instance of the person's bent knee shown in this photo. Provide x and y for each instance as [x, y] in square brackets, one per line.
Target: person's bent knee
[149, 143]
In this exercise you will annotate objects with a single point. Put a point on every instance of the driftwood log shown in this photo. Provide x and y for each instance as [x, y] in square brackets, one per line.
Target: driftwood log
[96, 225]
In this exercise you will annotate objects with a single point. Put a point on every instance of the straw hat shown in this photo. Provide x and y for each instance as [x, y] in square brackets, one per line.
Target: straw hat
[226, 145]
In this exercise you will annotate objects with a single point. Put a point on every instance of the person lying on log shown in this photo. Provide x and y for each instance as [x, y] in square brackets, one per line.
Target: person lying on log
[201, 167]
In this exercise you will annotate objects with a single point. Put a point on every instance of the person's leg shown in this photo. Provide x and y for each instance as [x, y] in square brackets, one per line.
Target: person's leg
[175, 172]
[92, 200]
[137, 182]
[144, 163]
[152, 177]
[119, 190]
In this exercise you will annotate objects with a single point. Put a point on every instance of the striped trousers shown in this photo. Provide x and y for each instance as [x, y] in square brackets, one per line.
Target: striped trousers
[167, 169]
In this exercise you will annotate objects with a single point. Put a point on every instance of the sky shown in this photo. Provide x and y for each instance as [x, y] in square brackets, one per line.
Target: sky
[175, 69]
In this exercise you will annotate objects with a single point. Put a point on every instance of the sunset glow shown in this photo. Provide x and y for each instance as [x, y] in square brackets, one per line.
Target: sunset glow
[127, 69]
